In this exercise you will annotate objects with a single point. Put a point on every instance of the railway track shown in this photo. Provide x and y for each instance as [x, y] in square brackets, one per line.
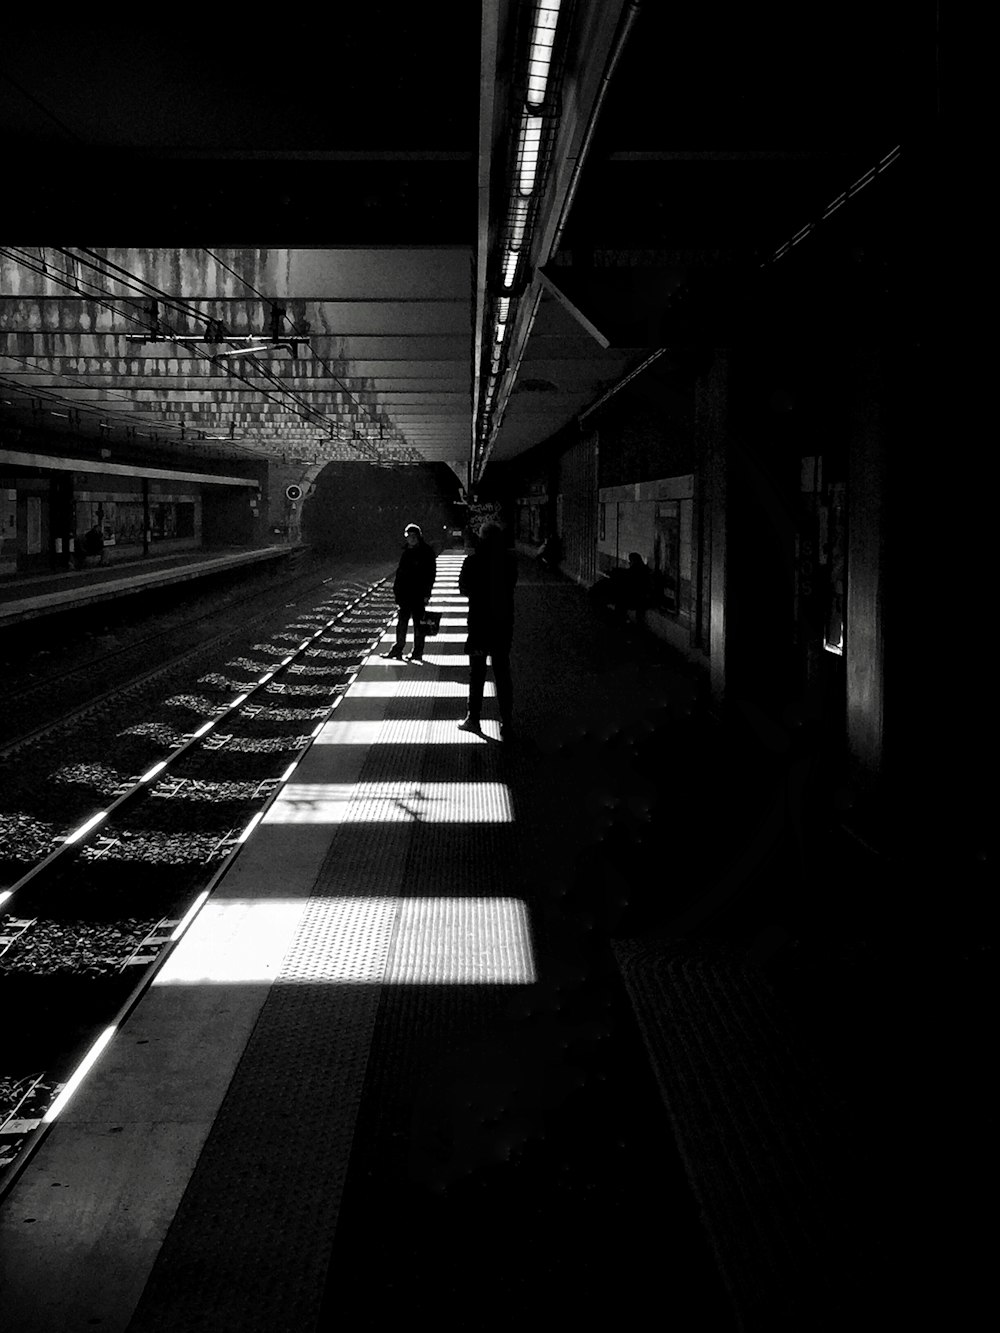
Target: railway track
[57, 699]
[152, 821]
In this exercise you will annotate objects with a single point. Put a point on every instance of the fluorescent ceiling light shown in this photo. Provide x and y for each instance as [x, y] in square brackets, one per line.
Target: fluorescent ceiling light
[501, 330]
[510, 268]
[518, 222]
[543, 38]
[527, 156]
[504, 308]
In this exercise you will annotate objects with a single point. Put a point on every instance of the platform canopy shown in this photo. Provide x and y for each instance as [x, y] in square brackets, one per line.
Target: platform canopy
[401, 234]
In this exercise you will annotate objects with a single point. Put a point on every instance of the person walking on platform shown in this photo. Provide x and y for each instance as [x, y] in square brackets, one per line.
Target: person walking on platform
[487, 579]
[411, 588]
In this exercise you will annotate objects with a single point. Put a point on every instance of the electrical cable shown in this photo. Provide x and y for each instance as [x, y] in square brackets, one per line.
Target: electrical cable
[276, 379]
[145, 288]
[152, 290]
[336, 378]
[31, 365]
[140, 284]
[43, 271]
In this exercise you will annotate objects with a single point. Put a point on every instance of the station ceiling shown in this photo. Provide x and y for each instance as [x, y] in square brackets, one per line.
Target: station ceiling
[294, 241]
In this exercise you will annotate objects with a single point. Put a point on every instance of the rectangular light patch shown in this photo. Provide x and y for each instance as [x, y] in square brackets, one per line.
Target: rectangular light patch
[360, 940]
[235, 940]
[424, 687]
[461, 941]
[392, 803]
[397, 731]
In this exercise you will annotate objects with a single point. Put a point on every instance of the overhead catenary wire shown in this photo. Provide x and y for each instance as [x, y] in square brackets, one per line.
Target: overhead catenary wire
[42, 269]
[325, 364]
[284, 314]
[152, 290]
[137, 283]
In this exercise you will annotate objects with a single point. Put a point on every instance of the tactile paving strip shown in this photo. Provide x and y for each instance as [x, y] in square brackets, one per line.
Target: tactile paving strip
[249, 1246]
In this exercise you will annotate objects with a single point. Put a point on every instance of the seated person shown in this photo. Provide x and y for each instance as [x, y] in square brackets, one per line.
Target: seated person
[550, 551]
[629, 589]
[90, 544]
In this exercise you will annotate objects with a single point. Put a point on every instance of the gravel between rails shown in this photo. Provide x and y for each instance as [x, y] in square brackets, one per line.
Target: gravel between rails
[45, 685]
[86, 925]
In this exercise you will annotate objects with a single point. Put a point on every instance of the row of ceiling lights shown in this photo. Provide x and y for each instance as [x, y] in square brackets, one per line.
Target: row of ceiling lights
[522, 194]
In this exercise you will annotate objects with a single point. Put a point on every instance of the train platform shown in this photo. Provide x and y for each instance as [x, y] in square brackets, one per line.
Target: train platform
[26, 596]
[457, 1038]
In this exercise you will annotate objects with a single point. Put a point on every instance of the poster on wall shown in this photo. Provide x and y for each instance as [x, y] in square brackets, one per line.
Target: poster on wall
[667, 554]
[33, 525]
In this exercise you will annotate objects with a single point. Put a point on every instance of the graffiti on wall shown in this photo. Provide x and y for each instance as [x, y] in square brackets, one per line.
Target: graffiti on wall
[485, 511]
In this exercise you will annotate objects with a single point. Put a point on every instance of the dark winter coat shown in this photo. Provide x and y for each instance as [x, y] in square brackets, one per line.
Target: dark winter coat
[487, 578]
[415, 574]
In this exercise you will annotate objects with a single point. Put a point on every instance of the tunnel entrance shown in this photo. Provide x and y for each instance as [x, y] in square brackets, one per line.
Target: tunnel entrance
[360, 509]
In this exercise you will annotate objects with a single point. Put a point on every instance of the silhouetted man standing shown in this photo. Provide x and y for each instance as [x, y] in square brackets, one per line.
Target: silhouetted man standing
[411, 588]
[487, 578]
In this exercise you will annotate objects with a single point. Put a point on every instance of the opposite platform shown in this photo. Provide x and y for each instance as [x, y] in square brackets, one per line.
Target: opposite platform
[27, 598]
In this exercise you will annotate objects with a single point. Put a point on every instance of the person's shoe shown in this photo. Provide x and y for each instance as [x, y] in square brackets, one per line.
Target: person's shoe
[412, 657]
[393, 653]
[470, 723]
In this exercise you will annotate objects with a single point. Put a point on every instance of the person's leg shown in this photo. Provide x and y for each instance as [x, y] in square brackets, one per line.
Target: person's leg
[477, 683]
[402, 619]
[419, 634]
[505, 687]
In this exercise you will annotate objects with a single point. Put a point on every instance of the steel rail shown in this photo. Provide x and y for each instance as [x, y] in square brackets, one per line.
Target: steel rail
[36, 1136]
[83, 710]
[71, 843]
